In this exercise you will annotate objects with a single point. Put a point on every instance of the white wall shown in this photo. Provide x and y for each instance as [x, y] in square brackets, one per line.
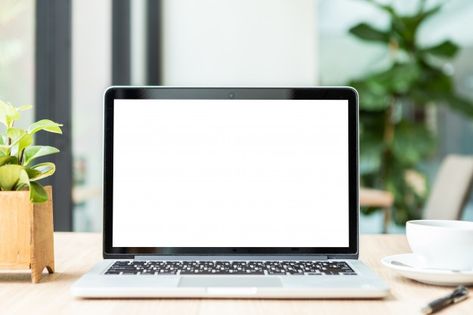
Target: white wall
[239, 42]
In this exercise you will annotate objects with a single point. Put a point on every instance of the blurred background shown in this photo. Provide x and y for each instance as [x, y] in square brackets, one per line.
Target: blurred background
[412, 62]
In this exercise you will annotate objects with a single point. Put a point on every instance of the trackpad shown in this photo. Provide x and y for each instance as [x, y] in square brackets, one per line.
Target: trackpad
[224, 281]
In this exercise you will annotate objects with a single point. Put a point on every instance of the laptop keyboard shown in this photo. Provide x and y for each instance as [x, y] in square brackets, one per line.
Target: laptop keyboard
[136, 267]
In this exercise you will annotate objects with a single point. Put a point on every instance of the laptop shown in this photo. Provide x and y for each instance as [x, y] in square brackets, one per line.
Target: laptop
[230, 193]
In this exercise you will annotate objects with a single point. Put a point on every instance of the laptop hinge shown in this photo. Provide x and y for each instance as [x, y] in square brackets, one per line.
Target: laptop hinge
[231, 258]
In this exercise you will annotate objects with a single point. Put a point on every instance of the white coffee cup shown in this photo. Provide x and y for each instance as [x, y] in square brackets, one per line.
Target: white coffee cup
[445, 244]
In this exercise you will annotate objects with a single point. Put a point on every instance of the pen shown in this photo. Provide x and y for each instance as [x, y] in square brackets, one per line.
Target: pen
[458, 295]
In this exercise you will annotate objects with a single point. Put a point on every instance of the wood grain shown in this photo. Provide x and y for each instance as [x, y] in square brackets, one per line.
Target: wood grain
[26, 233]
[76, 253]
[15, 233]
[42, 241]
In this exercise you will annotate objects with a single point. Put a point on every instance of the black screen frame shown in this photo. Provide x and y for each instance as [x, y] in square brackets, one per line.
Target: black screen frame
[305, 93]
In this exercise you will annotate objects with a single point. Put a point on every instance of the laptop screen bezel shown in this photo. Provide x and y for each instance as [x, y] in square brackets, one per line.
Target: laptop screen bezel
[305, 93]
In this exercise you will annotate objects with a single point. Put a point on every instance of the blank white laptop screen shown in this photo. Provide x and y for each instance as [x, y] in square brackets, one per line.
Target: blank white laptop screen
[230, 173]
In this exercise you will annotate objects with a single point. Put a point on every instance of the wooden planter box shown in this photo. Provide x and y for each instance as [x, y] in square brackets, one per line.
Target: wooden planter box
[26, 233]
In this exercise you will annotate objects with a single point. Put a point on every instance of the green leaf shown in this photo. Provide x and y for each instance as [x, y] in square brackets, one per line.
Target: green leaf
[36, 151]
[423, 15]
[20, 140]
[37, 193]
[433, 86]
[46, 169]
[412, 143]
[23, 181]
[371, 142]
[444, 49]
[25, 141]
[15, 134]
[373, 95]
[8, 160]
[377, 90]
[32, 173]
[9, 176]
[4, 150]
[4, 160]
[46, 125]
[8, 114]
[367, 32]
[405, 28]
[400, 78]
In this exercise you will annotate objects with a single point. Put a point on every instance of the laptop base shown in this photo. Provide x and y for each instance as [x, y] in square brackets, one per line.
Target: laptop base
[365, 284]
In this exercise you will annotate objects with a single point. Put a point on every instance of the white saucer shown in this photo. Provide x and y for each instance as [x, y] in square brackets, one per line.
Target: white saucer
[420, 272]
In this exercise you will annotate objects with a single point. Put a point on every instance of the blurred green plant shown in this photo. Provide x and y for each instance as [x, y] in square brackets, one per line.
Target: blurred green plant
[394, 134]
[17, 153]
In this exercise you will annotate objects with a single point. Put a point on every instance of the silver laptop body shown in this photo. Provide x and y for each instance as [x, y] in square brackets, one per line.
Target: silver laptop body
[230, 193]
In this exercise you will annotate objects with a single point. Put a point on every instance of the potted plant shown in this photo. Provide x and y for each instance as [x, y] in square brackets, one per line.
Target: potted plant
[26, 208]
[395, 138]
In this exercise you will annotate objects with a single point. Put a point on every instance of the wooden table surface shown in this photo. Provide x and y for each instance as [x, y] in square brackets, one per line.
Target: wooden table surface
[76, 253]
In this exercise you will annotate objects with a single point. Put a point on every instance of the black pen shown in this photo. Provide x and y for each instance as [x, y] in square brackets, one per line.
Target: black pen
[458, 295]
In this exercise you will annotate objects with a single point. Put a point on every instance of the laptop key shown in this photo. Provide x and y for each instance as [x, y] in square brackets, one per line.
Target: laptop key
[112, 272]
[274, 273]
[129, 272]
[309, 268]
[167, 272]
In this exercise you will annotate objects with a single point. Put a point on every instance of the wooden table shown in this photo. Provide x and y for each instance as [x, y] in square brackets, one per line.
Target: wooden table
[78, 252]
